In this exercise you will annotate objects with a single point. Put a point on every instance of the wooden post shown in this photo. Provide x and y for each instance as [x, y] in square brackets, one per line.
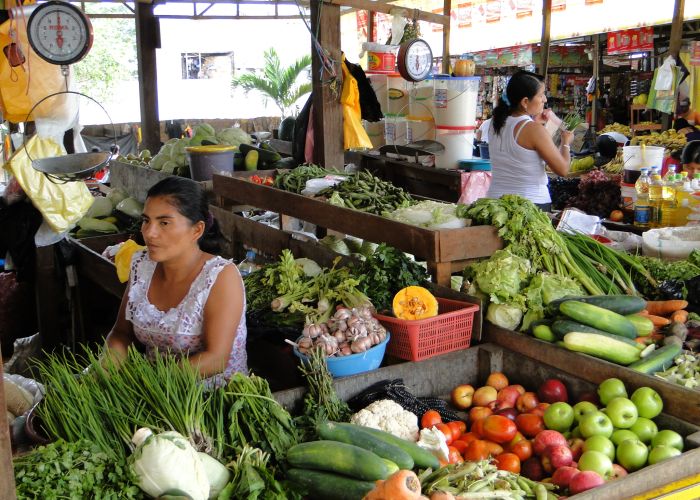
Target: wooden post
[544, 45]
[447, 8]
[7, 475]
[596, 75]
[49, 296]
[327, 113]
[677, 29]
[147, 40]
[370, 26]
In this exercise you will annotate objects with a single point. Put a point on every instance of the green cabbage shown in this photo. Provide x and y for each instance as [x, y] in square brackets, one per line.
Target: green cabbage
[234, 136]
[430, 214]
[501, 276]
[506, 316]
[101, 207]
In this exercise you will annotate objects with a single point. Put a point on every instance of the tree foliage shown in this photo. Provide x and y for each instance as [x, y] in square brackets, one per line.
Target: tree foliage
[277, 83]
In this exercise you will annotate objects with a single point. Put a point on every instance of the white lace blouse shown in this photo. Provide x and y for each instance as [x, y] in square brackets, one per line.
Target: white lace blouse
[179, 330]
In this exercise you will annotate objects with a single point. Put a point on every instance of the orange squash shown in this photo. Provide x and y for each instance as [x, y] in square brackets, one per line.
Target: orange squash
[415, 302]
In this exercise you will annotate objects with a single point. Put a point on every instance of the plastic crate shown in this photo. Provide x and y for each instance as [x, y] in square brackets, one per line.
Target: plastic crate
[416, 340]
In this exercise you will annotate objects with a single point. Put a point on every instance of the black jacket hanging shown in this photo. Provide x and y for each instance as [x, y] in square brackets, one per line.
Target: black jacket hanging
[369, 105]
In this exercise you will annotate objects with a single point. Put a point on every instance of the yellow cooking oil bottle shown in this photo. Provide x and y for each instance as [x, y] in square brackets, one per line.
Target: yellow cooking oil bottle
[656, 187]
[684, 202]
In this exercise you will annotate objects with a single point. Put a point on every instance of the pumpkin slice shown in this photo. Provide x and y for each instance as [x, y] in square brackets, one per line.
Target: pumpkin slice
[415, 302]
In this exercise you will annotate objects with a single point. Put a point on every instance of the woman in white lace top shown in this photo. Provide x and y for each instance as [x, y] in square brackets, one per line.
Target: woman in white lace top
[181, 299]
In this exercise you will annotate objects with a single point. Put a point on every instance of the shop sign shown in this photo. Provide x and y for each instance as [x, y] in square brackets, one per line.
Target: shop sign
[493, 11]
[464, 15]
[695, 53]
[634, 40]
[509, 56]
[558, 5]
[523, 8]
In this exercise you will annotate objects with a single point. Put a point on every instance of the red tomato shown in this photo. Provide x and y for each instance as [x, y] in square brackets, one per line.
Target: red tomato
[454, 457]
[499, 429]
[478, 428]
[494, 449]
[459, 445]
[477, 450]
[429, 419]
[458, 428]
[468, 437]
[523, 449]
[529, 424]
[509, 462]
[447, 431]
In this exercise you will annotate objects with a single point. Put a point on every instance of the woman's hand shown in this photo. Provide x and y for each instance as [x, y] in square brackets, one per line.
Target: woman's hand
[567, 137]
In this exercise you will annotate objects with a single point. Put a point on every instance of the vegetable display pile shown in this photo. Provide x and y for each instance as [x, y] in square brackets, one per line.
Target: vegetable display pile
[561, 190]
[616, 127]
[367, 193]
[431, 214]
[116, 212]
[670, 139]
[599, 194]
[294, 180]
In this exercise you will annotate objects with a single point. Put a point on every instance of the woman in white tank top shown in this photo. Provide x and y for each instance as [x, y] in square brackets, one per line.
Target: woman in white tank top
[520, 146]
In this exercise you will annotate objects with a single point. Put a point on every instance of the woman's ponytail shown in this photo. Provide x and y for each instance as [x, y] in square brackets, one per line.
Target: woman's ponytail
[500, 113]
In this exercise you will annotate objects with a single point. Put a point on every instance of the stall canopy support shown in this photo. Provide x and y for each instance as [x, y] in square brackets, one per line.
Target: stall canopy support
[677, 29]
[147, 40]
[544, 45]
[447, 7]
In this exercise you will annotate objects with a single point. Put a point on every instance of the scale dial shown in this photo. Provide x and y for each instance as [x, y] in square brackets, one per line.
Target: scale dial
[415, 60]
[59, 32]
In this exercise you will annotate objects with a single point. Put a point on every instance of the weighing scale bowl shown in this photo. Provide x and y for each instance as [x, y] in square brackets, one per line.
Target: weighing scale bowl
[72, 167]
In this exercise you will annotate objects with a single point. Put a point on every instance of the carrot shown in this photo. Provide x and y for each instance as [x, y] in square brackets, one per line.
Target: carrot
[643, 313]
[681, 316]
[658, 320]
[665, 307]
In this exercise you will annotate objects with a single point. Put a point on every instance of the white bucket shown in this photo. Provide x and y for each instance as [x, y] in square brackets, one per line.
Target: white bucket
[418, 129]
[632, 157]
[375, 132]
[420, 100]
[398, 96]
[379, 84]
[395, 130]
[458, 146]
[455, 100]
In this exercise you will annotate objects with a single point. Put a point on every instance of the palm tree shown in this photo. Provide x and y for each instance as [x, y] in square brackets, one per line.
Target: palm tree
[277, 83]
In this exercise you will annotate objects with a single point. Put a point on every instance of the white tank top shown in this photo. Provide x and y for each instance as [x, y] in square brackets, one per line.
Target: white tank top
[515, 169]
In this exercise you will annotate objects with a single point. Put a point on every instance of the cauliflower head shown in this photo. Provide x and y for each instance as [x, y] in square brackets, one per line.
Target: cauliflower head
[388, 416]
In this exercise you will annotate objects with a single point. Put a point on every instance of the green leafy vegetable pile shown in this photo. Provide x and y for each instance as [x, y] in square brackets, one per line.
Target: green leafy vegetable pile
[252, 479]
[367, 193]
[294, 180]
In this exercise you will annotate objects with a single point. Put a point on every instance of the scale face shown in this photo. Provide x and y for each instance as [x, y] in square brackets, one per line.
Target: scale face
[415, 60]
[59, 32]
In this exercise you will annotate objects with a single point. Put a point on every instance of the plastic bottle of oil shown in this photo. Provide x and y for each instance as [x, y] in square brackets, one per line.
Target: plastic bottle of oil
[667, 215]
[670, 174]
[642, 208]
[683, 203]
[656, 186]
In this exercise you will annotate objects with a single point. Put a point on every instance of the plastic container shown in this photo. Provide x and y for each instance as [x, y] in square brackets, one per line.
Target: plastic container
[353, 364]
[455, 100]
[451, 330]
[484, 150]
[671, 243]
[420, 100]
[474, 165]
[632, 157]
[381, 58]
[629, 195]
[418, 129]
[459, 144]
[375, 132]
[395, 130]
[397, 92]
[206, 160]
[378, 81]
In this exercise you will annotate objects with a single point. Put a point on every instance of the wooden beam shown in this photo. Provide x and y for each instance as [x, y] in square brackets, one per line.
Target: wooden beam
[147, 40]
[596, 76]
[447, 8]
[386, 9]
[327, 112]
[370, 26]
[7, 475]
[677, 29]
[544, 45]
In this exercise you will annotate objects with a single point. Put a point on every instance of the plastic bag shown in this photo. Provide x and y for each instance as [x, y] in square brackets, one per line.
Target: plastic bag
[475, 185]
[315, 186]
[664, 75]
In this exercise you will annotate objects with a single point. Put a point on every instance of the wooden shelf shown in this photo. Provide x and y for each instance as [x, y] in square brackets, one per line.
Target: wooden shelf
[638, 107]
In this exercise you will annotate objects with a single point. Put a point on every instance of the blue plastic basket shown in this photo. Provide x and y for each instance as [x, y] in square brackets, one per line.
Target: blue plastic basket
[353, 364]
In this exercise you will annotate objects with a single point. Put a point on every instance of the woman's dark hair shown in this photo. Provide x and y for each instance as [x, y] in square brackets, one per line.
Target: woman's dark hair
[521, 85]
[691, 153]
[191, 201]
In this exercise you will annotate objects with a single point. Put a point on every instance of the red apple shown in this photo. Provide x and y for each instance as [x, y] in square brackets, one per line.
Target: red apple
[478, 413]
[553, 391]
[559, 455]
[545, 439]
[510, 413]
[484, 395]
[532, 469]
[576, 447]
[618, 471]
[591, 397]
[540, 409]
[507, 397]
[462, 396]
[546, 465]
[526, 402]
[519, 387]
[562, 476]
[585, 480]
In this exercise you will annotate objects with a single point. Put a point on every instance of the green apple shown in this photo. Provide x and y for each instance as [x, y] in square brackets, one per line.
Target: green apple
[597, 462]
[662, 452]
[601, 444]
[622, 412]
[619, 435]
[632, 454]
[610, 389]
[575, 432]
[583, 407]
[668, 438]
[645, 429]
[595, 424]
[559, 416]
[648, 402]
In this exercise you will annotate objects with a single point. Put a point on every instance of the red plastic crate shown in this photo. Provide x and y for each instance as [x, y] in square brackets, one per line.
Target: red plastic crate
[416, 340]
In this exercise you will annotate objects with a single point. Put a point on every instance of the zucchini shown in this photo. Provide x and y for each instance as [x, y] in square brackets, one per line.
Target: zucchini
[422, 458]
[563, 326]
[544, 332]
[324, 485]
[608, 347]
[621, 304]
[598, 317]
[644, 326]
[340, 458]
[354, 434]
[659, 360]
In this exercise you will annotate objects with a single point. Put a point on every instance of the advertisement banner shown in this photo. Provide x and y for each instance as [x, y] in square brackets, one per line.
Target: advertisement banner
[493, 11]
[523, 8]
[464, 15]
[634, 40]
[558, 5]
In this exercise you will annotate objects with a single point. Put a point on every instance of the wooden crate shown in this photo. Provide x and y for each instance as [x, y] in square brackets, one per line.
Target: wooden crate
[446, 251]
[678, 401]
[437, 376]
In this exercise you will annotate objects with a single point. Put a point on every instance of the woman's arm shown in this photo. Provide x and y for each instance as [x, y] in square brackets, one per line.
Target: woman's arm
[122, 334]
[535, 136]
[222, 313]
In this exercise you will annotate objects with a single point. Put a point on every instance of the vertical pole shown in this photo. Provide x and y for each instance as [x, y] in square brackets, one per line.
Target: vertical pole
[7, 474]
[370, 25]
[327, 113]
[677, 29]
[544, 45]
[596, 75]
[147, 40]
[447, 9]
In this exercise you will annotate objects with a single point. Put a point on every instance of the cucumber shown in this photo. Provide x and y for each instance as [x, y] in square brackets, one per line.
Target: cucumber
[644, 326]
[660, 359]
[341, 458]
[354, 434]
[621, 304]
[324, 485]
[421, 457]
[544, 332]
[608, 347]
[598, 317]
[563, 326]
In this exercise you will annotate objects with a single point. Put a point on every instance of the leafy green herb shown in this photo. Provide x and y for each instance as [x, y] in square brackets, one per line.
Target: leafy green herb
[253, 479]
[73, 470]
